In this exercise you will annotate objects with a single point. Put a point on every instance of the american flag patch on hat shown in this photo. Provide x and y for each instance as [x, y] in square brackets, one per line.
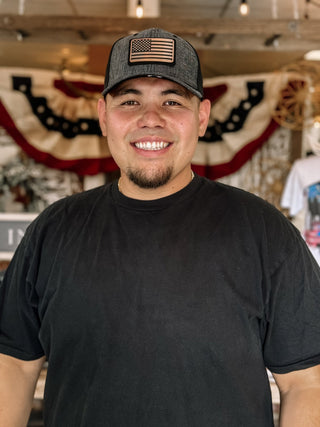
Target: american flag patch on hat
[152, 50]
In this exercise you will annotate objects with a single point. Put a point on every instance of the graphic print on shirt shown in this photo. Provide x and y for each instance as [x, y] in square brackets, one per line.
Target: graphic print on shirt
[312, 228]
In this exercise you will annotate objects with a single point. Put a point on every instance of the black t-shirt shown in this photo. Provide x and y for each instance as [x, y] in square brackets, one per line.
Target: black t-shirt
[162, 313]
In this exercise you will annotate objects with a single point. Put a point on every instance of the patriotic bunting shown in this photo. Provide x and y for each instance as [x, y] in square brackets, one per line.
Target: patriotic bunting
[55, 120]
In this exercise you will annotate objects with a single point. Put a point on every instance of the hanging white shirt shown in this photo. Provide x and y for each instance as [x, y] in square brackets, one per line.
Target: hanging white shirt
[296, 198]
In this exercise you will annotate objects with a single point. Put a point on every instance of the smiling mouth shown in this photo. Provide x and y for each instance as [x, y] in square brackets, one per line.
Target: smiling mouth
[151, 145]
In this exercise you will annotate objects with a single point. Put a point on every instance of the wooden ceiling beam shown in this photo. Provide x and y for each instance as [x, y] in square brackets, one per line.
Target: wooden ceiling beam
[300, 29]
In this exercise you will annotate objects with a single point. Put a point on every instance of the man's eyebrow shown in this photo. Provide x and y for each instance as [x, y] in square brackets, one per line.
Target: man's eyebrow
[177, 91]
[124, 91]
[121, 91]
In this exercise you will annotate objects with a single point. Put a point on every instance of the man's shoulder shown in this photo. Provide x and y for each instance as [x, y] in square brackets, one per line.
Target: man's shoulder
[245, 207]
[72, 208]
[83, 200]
[236, 195]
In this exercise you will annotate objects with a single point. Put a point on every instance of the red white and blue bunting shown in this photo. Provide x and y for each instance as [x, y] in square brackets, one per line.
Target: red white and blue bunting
[55, 122]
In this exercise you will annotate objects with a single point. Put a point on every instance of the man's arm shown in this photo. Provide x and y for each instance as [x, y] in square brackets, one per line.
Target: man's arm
[18, 379]
[299, 397]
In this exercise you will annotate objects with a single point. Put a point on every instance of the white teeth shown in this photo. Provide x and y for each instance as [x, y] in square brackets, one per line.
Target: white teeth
[151, 145]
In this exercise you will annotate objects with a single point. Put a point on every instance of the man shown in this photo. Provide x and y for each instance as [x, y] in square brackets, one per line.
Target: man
[160, 299]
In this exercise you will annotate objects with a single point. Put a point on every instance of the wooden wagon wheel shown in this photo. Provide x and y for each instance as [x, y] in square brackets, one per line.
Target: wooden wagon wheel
[298, 102]
[290, 110]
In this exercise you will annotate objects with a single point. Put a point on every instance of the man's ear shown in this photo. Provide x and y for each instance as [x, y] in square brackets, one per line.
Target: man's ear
[102, 116]
[204, 115]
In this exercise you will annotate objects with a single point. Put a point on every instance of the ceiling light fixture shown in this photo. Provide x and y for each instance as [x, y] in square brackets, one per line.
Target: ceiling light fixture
[312, 55]
[273, 40]
[21, 7]
[244, 8]
[274, 9]
[150, 8]
[139, 9]
[21, 35]
[295, 9]
[308, 2]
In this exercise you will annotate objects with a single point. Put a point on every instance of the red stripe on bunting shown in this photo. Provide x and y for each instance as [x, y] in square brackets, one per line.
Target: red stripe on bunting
[214, 92]
[240, 158]
[79, 166]
[70, 88]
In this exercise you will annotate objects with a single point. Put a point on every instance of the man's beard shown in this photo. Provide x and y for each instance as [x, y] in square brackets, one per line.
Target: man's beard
[142, 180]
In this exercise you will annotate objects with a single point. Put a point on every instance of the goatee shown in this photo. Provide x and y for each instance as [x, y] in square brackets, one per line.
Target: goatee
[143, 180]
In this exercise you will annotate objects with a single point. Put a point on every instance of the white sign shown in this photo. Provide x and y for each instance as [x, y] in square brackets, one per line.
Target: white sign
[12, 229]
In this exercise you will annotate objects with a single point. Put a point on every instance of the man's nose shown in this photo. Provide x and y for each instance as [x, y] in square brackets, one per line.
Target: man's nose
[151, 117]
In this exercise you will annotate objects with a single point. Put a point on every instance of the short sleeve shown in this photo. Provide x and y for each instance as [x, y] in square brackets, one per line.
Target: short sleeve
[293, 194]
[292, 339]
[19, 320]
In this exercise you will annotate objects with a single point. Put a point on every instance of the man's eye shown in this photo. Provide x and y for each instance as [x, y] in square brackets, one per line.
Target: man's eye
[129, 102]
[172, 103]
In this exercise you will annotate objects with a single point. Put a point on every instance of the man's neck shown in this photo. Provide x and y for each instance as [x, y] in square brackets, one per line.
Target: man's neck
[130, 189]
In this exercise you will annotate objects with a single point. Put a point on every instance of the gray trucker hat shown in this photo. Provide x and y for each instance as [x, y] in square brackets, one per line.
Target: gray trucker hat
[154, 53]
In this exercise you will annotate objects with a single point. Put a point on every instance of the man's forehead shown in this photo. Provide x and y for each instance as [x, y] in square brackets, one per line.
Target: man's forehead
[164, 85]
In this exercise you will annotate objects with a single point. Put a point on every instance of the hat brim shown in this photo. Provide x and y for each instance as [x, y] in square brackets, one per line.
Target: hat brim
[162, 76]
